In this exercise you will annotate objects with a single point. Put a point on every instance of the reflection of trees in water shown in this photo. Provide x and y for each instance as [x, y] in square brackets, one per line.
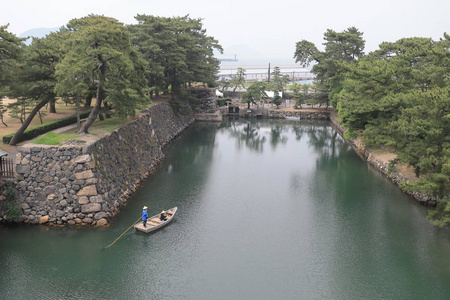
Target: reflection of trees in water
[186, 168]
[328, 147]
[322, 138]
[276, 136]
[251, 133]
[198, 144]
[247, 134]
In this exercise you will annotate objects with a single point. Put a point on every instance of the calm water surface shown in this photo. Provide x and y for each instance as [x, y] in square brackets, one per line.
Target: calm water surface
[267, 210]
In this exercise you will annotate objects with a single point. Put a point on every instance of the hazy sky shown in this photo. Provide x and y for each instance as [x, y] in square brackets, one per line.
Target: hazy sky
[263, 30]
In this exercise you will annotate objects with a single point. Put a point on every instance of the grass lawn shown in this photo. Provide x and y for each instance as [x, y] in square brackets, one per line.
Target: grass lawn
[52, 138]
[98, 129]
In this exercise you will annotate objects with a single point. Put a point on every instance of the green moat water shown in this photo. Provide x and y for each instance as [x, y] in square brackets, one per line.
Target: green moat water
[267, 210]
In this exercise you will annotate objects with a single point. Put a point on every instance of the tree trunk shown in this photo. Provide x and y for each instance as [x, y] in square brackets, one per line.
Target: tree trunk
[40, 117]
[18, 134]
[88, 101]
[108, 109]
[98, 103]
[94, 112]
[78, 111]
[52, 107]
[1, 118]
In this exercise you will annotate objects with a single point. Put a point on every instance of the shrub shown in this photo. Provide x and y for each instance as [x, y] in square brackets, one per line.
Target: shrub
[44, 128]
[391, 167]
[13, 212]
[223, 101]
[227, 94]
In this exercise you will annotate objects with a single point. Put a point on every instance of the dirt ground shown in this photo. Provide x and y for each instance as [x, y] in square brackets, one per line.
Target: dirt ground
[406, 171]
[62, 110]
[14, 124]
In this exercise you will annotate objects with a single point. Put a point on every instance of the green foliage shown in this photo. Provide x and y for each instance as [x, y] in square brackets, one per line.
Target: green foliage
[299, 97]
[100, 54]
[340, 47]
[256, 91]
[277, 99]
[391, 167]
[177, 51]
[238, 79]
[180, 103]
[3, 110]
[97, 56]
[13, 211]
[302, 95]
[19, 109]
[223, 101]
[279, 81]
[398, 96]
[179, 106]
[440, 216]
[10, 194]
[34, 82]
[388, 98]
[350, 135]
[41, 129]
[10, 51]
[36, 79]
[306, 53]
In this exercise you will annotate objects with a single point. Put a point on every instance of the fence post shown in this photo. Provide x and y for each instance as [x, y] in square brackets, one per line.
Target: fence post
[6, 169]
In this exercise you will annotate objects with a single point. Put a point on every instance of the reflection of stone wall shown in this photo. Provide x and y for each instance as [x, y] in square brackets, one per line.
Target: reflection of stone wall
[86, 185]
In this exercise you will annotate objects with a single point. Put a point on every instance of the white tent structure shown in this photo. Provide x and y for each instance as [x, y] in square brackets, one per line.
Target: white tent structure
[219, 94]
[270, 94]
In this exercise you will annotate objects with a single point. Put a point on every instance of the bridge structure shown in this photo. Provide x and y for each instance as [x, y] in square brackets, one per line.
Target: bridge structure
[261, 73]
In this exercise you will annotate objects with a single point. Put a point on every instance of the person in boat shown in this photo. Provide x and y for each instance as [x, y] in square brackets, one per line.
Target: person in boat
[144, 216]
[163, 215]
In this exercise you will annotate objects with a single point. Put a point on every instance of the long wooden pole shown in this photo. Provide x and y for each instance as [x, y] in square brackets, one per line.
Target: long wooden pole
[121, 234]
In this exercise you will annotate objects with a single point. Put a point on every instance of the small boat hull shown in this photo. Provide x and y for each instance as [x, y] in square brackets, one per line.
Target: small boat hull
[154, 223]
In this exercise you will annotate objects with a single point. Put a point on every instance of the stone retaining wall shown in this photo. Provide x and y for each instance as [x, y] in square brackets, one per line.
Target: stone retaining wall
[205, 105]
[87, 184]
[310, 115]
[273, 113]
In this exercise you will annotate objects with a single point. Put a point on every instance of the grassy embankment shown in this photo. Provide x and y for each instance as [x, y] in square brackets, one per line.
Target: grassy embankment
[98, 129]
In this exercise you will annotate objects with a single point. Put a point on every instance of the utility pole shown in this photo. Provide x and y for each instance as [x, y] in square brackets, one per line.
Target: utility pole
[268, 80]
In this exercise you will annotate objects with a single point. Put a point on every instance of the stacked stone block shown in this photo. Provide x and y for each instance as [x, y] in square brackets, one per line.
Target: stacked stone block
[73, 185]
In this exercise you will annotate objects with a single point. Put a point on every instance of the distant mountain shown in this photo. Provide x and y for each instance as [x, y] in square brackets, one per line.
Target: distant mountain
[37, 33]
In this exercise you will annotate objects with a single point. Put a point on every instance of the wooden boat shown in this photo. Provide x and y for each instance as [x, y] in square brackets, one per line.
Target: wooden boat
[154, 223]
